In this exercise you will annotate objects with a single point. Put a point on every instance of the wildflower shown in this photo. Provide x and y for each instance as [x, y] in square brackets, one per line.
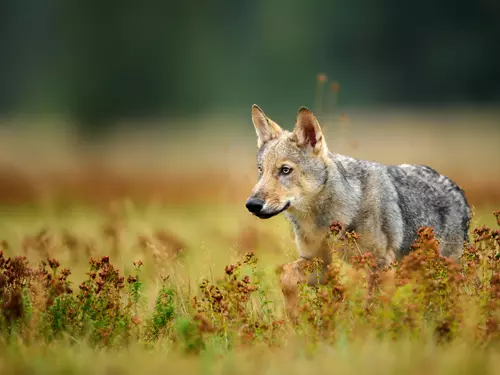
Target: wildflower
[335, 87]
[336, 228]
[322, 78]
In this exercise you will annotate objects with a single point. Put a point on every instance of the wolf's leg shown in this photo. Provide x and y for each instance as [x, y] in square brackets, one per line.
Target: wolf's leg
[292, 275]
[382, 259]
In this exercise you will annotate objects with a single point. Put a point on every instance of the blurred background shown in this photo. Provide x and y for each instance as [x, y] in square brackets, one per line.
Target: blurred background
[150, 101]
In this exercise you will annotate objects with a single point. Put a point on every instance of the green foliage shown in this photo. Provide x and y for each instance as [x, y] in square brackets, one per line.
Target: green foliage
[164, 311]
[190, 337]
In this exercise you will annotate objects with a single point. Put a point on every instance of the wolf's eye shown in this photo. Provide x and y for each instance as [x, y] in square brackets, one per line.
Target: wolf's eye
[285, 170]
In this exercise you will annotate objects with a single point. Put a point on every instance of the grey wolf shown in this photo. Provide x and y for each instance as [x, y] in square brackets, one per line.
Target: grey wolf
[384, 204]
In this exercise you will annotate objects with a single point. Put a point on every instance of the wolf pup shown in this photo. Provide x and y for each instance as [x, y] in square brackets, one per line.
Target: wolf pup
[313, 187]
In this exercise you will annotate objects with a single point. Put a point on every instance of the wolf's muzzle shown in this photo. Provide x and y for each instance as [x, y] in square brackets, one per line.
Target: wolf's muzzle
[255, 206]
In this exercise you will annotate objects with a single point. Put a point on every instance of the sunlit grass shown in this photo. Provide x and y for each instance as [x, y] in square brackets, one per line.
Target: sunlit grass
[212, 238]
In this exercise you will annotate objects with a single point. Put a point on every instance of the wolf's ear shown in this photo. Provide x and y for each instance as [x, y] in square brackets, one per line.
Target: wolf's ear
[266, 128]
[307, 131]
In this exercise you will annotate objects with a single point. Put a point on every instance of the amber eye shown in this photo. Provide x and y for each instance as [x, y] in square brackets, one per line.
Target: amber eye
[285, 170]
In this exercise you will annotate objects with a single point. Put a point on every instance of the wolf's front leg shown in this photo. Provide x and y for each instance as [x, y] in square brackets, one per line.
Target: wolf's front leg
[292, 275]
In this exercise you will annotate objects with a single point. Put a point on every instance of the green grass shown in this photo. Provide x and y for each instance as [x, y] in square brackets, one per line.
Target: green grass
[421, 321]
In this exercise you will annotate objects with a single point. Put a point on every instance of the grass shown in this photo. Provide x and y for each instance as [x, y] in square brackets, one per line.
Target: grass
[368, 357]
[169, 289]
[181, 286]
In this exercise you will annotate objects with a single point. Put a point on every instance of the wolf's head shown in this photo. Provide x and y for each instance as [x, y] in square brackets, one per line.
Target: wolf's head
[292, 166]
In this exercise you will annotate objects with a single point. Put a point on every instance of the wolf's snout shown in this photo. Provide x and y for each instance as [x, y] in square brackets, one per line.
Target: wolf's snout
[254, 205]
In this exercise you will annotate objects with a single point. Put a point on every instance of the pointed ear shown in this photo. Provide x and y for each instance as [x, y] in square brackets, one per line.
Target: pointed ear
[265, 128]
[308, 132]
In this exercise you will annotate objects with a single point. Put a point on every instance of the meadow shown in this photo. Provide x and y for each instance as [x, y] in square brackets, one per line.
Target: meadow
[139, 255]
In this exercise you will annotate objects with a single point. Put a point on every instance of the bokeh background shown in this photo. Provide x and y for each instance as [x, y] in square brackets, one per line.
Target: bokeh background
[150, 101]
[125, 131]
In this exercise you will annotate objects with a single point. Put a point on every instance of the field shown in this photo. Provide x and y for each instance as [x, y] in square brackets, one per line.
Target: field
[139, 255]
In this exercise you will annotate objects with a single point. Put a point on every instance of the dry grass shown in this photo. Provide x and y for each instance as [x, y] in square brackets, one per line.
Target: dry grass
[210, 307]
[177, 206]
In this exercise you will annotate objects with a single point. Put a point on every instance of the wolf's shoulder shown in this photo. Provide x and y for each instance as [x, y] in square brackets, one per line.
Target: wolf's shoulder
[351, 163]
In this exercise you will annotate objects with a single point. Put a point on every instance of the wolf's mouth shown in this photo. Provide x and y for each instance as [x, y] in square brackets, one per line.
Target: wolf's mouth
[267, 215]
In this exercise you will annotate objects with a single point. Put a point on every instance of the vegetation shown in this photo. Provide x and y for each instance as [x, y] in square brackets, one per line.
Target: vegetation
[425, 310]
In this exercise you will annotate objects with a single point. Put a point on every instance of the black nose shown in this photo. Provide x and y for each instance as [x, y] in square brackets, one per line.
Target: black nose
[254, 205]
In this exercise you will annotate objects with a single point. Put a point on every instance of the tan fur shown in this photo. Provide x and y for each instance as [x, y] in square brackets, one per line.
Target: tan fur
[266, 128]
[311, 242]
[292, 274]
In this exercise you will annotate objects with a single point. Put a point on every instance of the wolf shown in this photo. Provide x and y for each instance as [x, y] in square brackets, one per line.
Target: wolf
[384, 204]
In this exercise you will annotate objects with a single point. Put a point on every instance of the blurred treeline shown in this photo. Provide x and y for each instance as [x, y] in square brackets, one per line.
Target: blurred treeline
[100, 61]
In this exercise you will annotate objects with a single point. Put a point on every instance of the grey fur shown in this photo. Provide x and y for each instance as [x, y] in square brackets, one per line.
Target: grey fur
[402, 197]
[385, 205]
